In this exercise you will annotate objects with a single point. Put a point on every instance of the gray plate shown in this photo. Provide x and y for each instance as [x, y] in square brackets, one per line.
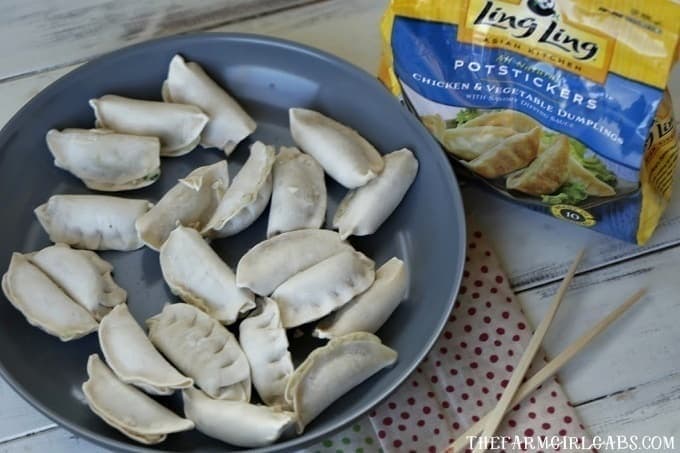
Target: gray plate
[268, 76]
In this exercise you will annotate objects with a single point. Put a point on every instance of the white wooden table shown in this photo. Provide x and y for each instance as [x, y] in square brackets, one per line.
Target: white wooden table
[627, 382]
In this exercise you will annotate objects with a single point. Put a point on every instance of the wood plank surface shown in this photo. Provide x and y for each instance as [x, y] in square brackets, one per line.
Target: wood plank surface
[17, 417]
[55, 440]
[42, 34]
[652, 409]
[640, 347]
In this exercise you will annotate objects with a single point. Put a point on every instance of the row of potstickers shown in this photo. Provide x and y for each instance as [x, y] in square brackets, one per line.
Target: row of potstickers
[559, 106]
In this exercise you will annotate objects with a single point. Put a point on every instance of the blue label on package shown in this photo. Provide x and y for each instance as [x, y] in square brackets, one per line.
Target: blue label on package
[612, 119]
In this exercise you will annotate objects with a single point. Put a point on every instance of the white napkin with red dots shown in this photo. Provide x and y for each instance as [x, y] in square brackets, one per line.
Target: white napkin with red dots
[463, 376]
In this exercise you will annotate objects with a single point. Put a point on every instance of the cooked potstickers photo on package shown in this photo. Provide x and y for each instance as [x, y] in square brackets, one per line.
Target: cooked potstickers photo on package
[559, 105]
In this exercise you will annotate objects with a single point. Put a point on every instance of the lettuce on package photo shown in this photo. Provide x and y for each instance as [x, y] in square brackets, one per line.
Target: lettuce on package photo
[560, 106]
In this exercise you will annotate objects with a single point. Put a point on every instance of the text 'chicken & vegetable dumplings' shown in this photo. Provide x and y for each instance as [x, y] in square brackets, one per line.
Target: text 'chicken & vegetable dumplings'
[559, 106]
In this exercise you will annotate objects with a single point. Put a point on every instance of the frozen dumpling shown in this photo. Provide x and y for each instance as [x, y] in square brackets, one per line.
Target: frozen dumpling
[127, 408]
[298, 194]
[178, 126]
[94, 222]
[363, 210]
[133, 358]
[370, 309]
[345, 155]
[324, 287]
[229, 124]
[265, 344]
[82, 275]
[332, 370]
[105, 160]
[203, 349]
[43, 303]
[268, 264]
[191, 203]
[194, 272]
[236, 422]
[247, 197]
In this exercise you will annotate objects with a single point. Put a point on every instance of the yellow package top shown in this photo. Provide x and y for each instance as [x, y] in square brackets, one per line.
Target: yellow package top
[588, 37]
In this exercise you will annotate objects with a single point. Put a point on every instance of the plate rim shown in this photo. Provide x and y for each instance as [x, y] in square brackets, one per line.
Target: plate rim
[456, 276]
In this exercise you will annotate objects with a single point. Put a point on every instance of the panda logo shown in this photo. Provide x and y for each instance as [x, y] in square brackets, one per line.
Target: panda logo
[542, 7]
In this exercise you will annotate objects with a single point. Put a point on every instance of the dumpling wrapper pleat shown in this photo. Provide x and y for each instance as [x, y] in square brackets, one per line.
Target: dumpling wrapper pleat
[203, 349]
[271, 262]
[195, 273]
[345, 155]
[133, 358]
[324, 287]
[265, 344]
[545, 174]
[43, 303]
[298, 193]
[190, 203]
[236, 422]
[128, 409]
[365, 209]
[229, 124]
[332, 370]
[368, 311]
[246, 197]
[83, 276]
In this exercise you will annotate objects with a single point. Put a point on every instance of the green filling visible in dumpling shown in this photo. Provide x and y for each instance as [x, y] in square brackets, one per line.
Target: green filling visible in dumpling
[590, 162]
[152, 176]
[569, 193]
[466, 115]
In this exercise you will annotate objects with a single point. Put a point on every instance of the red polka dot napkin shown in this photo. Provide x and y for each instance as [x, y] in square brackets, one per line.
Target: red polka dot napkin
[463, 376]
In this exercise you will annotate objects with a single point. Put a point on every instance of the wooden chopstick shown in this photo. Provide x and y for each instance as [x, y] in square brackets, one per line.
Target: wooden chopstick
[550, 368]
[532, 348]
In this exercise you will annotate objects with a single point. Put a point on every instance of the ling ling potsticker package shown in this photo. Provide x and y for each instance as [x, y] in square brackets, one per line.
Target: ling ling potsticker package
[558, 105]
